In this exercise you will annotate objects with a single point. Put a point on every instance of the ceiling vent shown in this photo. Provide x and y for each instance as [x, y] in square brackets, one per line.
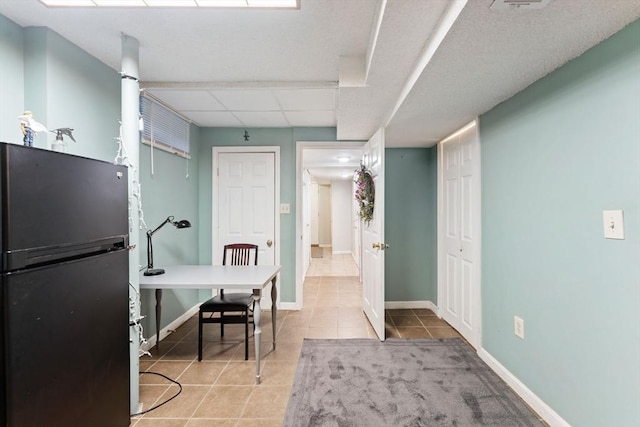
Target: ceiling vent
[518, 4]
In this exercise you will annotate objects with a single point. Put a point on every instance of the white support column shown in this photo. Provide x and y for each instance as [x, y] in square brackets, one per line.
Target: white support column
[131, 141]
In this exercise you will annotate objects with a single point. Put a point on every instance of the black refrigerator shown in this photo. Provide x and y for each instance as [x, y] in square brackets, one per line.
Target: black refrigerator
[64, 325]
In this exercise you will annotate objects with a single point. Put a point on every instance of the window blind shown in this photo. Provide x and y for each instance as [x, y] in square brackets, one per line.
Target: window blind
[163, 128]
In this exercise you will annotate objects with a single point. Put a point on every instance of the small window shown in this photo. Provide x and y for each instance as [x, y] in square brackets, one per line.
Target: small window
[163, 128]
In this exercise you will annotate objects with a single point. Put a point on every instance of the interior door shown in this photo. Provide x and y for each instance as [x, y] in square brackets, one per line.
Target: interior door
[245, 205]
[373, 245]
[459, 269]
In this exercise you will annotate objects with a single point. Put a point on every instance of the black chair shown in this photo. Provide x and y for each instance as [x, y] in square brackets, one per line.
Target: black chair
[240, 304]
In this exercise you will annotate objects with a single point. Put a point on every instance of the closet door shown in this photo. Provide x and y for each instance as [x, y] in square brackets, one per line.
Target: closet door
[459, 234]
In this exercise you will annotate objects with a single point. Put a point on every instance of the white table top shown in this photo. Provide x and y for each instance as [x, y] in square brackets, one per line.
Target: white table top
[211, 277]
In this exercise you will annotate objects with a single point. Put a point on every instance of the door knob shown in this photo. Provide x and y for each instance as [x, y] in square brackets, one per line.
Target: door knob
[381, 246]
[376, 245]
[269, 243]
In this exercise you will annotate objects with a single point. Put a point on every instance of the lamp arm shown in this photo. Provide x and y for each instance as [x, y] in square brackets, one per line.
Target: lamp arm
[165, 222]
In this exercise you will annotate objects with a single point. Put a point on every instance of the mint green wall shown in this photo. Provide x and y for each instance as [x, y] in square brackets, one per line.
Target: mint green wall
[553, 158]
[286, 139]
[67, 87]
[11, 80]
[410, 224]
[169, 191]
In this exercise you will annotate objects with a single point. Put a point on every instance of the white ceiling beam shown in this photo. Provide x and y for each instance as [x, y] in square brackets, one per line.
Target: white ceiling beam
[373, 40]
[449, 17]
[240, 85]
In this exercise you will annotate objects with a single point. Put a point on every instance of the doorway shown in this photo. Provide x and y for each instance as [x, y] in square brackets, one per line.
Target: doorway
[332, 165]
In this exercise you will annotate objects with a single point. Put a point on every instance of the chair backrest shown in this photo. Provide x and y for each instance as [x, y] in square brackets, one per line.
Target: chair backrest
[240, 254]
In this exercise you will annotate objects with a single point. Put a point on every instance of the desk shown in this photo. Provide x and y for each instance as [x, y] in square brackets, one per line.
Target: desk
[227, 277]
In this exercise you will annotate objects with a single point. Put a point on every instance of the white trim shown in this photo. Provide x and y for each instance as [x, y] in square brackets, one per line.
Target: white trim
[289, 306]
[171, 327]
[542, 409]
[300, 146]
[390, 305]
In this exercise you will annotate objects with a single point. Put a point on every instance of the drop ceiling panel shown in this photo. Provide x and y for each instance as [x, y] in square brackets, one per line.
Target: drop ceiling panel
[247, 100]
[311, 118]
[262, 118]
[307, 99]
[187, 99]
[213, 118]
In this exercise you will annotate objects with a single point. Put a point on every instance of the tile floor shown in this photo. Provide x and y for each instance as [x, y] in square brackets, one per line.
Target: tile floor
[220, 390]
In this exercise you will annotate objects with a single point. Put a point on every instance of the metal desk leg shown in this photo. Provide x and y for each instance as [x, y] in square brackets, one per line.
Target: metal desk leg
[274, 312]
[158, 316]
[257, 332]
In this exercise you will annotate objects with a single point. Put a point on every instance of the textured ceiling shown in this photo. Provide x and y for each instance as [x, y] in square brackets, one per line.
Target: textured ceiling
[422, 68]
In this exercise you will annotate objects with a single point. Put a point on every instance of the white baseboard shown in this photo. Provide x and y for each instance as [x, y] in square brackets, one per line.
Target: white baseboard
[411, 304]
[544, 411]
[151, 341]
[289, 306]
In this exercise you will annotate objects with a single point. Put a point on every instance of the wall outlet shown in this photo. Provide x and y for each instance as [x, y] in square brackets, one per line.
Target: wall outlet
[285, 208]
[518, 327]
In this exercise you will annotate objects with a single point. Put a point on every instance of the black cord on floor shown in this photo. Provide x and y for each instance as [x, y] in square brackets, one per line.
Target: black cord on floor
[166, 401]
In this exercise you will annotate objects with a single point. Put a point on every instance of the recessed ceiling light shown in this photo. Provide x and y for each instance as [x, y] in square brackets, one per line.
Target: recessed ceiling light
[343, 159]
[282, 4]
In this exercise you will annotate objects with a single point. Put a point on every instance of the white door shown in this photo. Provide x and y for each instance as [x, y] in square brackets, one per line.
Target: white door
[373, 245]
[459, 270]
[245, 205]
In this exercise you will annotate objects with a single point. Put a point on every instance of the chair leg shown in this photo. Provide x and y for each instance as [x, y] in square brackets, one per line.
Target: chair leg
[200, 336]
[221, 323]
[246, 335]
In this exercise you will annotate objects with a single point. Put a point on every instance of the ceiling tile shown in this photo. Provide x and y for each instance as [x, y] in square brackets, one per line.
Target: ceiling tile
[247, 100]
[187, 99]
[307, 99]
[212, 118]
[311, 118]
[262, 118]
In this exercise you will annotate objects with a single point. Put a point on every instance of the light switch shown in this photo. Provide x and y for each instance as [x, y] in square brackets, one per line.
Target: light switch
[613, 224]
[285, 208]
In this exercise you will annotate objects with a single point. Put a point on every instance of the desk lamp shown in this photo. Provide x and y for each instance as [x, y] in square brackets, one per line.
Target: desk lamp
[177, 224]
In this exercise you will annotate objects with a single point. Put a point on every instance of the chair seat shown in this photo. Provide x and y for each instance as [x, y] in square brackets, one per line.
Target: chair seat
[227, 302]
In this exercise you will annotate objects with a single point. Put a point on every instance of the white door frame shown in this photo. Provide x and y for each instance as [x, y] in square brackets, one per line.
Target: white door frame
[300, 146]
[215, 247]
[476, 339]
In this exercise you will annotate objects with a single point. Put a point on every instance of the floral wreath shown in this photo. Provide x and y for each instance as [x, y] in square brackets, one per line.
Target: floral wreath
[365, 193]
